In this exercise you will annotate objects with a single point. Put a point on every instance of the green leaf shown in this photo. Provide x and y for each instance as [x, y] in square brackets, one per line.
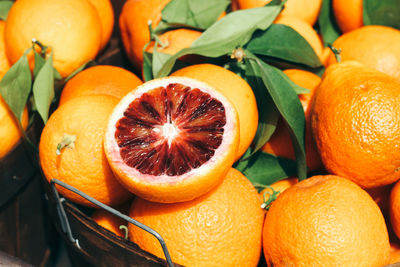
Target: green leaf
[382, 12]
[281, 41]
[43, 89]
[16, 86]
[267, 111]
[232, 31]
[198, 14]
[158, 58]
[147, 69]
[288, 105]
[327, 23]
[266, 169]
[39, 62]
[4, 8]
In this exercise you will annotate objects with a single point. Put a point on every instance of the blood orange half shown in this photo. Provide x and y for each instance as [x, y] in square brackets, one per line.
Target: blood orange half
[172, 139]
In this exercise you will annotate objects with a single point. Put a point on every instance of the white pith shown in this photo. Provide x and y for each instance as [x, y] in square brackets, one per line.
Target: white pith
[168, 130]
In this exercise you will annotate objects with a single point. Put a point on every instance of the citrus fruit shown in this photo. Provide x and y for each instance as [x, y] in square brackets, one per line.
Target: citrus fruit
[100, 80]
[4, 64]
[280, 142]
[354, 121]
[394, 253]
[172, 139]
[306, 10]
[348, 14]
[106, 14]
[175, 40]
[221, 228]
[109, 221]
[71, 28]
[82, 163]
[394, 209]
[133, 23]
[9, 129]
[306, 31]
[277, 188]
[374, 46]
[237, 90]
[325, 221]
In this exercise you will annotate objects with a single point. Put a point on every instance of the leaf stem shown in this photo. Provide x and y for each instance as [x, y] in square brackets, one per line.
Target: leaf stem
[336, 52]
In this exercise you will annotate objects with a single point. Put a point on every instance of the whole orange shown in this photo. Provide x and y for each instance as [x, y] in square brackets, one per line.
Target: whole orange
[348, 14]
[306, 31]
[374, 46]
[106, 14]
[354, 121]
[100, 80]
[83, 163]
[71, 28]
[280, 142]
[220, 228]
[133, 23]
[325, 221]
[307, 10]
[237, 90]
[4, 64]
[10, 132]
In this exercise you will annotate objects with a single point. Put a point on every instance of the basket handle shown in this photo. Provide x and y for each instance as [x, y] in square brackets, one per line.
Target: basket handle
[67, 229]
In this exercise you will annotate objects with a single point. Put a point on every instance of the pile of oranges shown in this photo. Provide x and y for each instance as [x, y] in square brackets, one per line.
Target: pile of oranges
[165, 149]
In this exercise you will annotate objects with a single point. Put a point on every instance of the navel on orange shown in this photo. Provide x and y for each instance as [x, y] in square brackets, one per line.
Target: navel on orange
[172, 139]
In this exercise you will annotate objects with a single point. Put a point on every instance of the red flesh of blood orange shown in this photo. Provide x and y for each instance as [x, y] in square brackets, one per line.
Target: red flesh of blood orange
[172, 139]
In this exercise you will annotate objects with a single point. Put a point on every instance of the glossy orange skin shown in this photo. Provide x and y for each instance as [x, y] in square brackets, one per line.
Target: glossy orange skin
[354, 121]
[220, 228]
[325, 221]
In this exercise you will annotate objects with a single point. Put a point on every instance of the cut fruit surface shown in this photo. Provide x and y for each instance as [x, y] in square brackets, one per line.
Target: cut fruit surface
[172, 139]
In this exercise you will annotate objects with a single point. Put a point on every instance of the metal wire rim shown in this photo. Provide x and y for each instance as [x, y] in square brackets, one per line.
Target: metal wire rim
[67, 229]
